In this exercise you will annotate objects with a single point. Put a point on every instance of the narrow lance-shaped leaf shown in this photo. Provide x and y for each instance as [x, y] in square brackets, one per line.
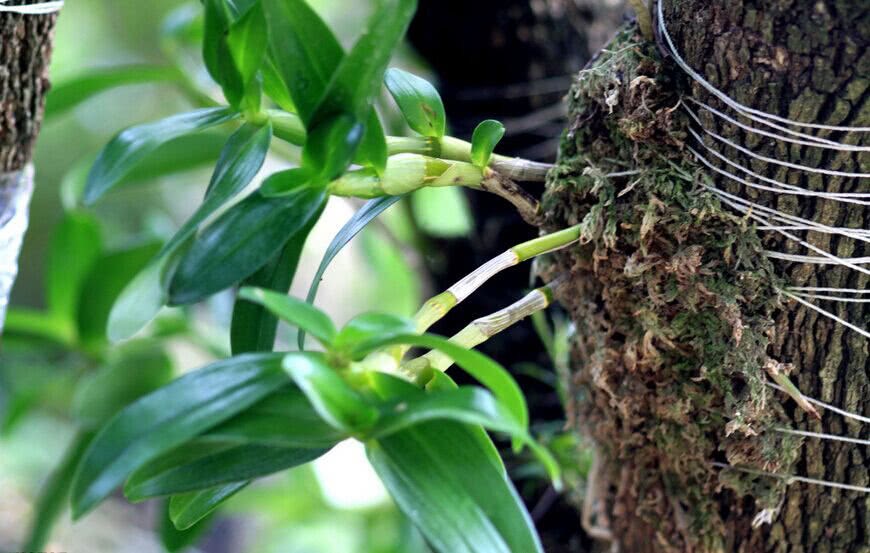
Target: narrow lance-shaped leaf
[484, 140]
[352, 91]
[141, 300]
[481, 367]
[175, 540]
[305, 51]
[169, 417]
[194, 468]
[67, 94]
[240, 241]
[360, 219]
[248, 40]
[121, 155]
[294, 311]
[216, 51]
[253, 327]
[443, 479]
[187, 509]
[418, 101]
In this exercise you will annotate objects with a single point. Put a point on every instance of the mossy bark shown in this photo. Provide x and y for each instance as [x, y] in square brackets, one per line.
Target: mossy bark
[676, 306]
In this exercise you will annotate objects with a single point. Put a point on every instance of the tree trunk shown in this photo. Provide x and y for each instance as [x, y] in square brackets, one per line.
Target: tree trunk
[25, 50]
[676, 305]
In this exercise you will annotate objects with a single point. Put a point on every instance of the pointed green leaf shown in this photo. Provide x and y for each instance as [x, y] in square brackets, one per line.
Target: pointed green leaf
[108, 277]
[370, 326]
[360, 219]
[484, 140]
[193, 468]
[138, 303]
[121, 155]
[241, 241]
[284, 419]
[175, 540]
[285, 182]
[240, 161]
[481, 367]
[444, 481]
[296, 312]
[372, 150]
[333, 399]
[418, 101]
[253, 327]
[216, 50]
[169, 417]
[187, 509]
[305, 51]
[67, 94]
[331, 146]
[247, 40]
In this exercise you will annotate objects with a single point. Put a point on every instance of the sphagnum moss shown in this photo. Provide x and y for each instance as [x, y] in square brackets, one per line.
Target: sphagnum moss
[672, 298]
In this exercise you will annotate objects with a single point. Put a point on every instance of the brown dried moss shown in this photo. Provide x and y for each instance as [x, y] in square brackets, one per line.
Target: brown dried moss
[672, 300]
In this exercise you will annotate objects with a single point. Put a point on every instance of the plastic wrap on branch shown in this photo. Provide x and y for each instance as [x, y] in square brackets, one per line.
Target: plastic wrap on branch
[15, 191]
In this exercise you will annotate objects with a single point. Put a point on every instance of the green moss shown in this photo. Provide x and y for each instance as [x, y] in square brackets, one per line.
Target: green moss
[673, 300]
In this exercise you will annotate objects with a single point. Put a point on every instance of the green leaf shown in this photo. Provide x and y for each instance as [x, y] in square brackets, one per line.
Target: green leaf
[284, 419]
[358, 77]
[121, 155]
[285, 182]
[75, 247]
[372, 150]
[331, 146]
[248, 40]
[241, 241]
[483, 141]
[216, 50]
[175, 540]
[305, 51]
[187, 509]
[360, 219]
[334, 400]
[296, 312]
[240, 161]
[274, 86]
[444, 480]
[54, 494]
[133, 370]
[467, 404]
[418, 101]
[350, 95]
[107, 279]
[169, 417]
[253, 327]
[481, 367]
[370, 326]
[138, 303]
[193, 467]
[69, 93]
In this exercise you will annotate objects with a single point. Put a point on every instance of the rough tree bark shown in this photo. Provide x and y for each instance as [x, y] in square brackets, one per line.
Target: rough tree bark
[676, 305]
[25, 51]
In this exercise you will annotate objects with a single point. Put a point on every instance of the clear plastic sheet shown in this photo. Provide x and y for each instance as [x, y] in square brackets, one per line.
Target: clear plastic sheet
[15, 191]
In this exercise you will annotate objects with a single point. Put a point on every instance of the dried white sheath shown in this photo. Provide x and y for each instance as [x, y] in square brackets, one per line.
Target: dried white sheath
[15, 191]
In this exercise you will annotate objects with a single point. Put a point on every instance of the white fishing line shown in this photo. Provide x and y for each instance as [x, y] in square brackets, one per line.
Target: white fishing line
[828, 314]
[750, 113]
[849, 197]
[789, 478]
[754, 130]
[40, 8]
[823, 405]
[814, 260]
[766, 159]
[822, 436]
